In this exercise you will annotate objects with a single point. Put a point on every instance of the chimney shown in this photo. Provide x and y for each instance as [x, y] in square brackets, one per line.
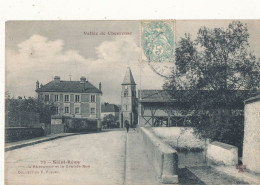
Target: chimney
[37, 84]
[57, 79]
[83, 79]
[100, 86]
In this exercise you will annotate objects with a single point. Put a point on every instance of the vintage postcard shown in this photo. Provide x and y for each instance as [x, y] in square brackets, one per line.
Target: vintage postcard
[132, 102]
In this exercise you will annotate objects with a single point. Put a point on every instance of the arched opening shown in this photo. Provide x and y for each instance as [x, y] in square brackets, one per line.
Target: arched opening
[126, 122]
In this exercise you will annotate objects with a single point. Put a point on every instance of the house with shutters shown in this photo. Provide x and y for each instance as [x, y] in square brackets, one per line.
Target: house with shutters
[75, 99]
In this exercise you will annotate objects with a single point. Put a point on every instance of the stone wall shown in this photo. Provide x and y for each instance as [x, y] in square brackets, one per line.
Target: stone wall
[163, 158]
[218, 153]
[57, 129]
[20, 133]
[251, 145]
[56, 121]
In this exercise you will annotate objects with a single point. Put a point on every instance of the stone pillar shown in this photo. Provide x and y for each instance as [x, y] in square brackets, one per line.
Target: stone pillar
[120, 120]
[251, 145]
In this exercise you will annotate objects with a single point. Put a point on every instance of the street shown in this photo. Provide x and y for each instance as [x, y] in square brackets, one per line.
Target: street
[97, 158]
[110, 157]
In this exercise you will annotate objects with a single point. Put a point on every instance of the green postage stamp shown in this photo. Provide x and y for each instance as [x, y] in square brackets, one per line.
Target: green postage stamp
[157, 41]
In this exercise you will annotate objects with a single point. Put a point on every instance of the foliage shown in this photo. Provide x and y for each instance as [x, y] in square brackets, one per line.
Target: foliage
[82, 124]
[31, 105]
[109, 121]
[218, 60]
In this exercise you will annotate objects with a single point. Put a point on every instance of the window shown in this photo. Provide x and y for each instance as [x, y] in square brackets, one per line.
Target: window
[93, 98]
[93, 111]
[76, 110]
[76, 98]
[67, 110]
[47, 97]
[67, 98]
[125, 93]
[56, 98]
[126, 107]
[56, 110]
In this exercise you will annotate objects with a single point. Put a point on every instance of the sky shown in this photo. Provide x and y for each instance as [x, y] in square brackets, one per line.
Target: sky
[40, 50]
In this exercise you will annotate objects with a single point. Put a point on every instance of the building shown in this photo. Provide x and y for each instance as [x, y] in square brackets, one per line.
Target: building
[107, 109]
[128, 113]
[172, 108]
[153, 109]
[251, 146]
[76, 99]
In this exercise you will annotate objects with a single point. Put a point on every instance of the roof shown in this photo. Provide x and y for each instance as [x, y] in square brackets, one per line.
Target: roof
[69, 86]
[129, 79]
[181, 95]
[154, 96]
[109, 108]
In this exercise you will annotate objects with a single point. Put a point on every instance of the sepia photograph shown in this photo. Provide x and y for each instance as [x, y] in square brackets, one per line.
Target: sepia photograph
[132, 102]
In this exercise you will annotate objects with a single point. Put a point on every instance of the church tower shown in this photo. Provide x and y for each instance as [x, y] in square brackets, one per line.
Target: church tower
[128, 100]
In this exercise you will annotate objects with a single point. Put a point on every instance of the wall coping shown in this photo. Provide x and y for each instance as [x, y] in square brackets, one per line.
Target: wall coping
[253, 99]
[223, 145]
[161, 145]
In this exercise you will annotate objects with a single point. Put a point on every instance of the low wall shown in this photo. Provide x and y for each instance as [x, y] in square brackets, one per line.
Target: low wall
[164, 158]
[20, 133]
[76, 124]
[58, 128]
[222, 154]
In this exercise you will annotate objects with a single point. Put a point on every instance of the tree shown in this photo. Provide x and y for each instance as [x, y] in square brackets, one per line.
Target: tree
[218, 60]
[109, 121]
[31, 105]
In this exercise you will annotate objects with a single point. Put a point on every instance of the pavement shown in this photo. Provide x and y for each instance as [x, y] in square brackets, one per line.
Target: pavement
[139, 169]
[28, 142]
[110, 157]
[94, 158]
[118, 153]
[209, 175]
[247, 176]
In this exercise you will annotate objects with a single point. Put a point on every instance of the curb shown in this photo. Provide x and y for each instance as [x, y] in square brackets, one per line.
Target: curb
[35, 142]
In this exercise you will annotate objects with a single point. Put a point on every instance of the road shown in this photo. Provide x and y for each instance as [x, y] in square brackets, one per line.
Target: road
[112, 157]
[97, 158]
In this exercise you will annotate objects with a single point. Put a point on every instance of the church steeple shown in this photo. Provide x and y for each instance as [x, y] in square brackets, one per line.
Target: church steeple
[128, 100]
[129, 79]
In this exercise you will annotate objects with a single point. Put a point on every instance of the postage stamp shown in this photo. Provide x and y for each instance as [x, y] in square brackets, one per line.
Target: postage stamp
[157, 41]
[157, 45]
